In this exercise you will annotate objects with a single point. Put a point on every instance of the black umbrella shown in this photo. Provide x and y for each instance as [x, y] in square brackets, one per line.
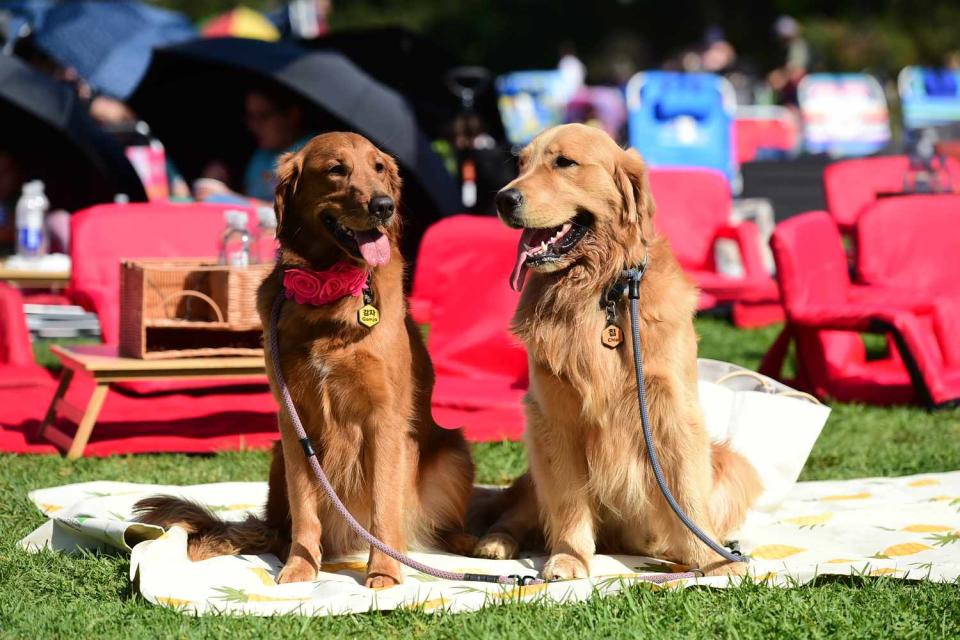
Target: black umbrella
[46, 128]
[414, 66]
[193, 98]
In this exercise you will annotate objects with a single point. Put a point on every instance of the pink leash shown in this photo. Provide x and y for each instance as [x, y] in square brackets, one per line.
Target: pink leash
[311, 454]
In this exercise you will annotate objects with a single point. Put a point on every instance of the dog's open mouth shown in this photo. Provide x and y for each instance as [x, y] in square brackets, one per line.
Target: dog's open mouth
[372, 245]
[540, 247]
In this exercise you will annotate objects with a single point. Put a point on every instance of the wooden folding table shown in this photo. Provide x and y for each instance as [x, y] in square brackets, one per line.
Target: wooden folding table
[101, 363]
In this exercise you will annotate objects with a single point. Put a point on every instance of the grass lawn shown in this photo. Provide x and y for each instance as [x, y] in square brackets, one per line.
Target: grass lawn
[51, 595]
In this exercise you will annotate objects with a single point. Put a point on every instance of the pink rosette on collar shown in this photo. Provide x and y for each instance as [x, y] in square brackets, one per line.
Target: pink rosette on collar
[323, 287]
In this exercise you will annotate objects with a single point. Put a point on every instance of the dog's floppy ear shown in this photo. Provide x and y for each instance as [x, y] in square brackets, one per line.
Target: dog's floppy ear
[393, 178]
[289, 168]
[631, 178]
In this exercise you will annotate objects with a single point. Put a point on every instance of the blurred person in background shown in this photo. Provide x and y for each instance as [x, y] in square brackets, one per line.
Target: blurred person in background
[303, 19]
[275, 118]
[784, 79]
[572, 70]
[718, 54]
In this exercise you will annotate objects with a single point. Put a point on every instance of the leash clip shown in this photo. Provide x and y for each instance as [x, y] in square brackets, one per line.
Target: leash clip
[634, 275]
[524, 581]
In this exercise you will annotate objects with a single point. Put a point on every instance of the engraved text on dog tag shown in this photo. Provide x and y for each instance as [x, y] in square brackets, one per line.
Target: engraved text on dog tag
[612, 336]
[368, 315]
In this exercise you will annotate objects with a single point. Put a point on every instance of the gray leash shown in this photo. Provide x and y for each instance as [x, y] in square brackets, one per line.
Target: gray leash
[633, 277]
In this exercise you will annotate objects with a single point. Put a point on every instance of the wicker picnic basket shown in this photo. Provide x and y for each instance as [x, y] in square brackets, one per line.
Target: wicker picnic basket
[186, 308]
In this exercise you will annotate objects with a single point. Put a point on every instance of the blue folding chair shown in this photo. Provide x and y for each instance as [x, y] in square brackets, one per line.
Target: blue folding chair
[929, 97]
[683, 120]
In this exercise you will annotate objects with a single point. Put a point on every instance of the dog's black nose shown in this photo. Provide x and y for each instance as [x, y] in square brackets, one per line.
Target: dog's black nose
[508, 201]
[381, 207]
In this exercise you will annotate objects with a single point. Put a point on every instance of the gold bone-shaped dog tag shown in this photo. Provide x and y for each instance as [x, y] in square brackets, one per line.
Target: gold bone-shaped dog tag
[368, 315]
[612, 336]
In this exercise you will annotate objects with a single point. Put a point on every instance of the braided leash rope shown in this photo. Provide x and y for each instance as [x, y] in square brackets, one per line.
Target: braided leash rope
[633, 278]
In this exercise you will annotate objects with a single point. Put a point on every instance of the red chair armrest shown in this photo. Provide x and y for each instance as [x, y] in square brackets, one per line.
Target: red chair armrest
[747, 236]
[872, 295]
[862, 318]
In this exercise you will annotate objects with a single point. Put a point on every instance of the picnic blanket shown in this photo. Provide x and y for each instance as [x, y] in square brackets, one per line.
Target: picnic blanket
[907, 527]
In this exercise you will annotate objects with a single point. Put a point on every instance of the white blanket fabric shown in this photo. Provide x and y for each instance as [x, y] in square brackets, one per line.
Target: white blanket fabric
[897, 527]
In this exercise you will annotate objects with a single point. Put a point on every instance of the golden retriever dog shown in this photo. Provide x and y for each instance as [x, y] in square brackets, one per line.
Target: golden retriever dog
[586, 213]
[363, 393]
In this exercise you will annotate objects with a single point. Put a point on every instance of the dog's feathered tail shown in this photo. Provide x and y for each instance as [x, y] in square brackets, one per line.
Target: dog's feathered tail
[210, 536]
[736, 485]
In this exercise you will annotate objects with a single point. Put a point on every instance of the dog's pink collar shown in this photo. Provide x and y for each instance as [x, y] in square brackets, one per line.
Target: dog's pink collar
[318, 288]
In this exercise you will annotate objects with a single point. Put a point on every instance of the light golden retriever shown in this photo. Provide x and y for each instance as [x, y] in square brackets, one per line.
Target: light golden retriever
[587, 213]
[363, 394]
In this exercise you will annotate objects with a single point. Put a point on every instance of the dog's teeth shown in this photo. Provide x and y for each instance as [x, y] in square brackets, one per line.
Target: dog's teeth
[543, 246]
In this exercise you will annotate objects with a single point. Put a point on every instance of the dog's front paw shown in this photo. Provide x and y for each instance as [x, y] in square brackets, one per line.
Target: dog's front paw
[297, 569]
[563, 566]
[382, 581]
[725, 569]
[496, 546]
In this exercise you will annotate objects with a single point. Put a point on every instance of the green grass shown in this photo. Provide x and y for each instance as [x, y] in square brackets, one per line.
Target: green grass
[51, 595]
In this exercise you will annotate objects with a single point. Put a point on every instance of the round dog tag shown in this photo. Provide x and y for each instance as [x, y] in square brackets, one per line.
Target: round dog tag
[368, 315]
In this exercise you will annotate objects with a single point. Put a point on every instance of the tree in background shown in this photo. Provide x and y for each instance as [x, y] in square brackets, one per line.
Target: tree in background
[616, 36]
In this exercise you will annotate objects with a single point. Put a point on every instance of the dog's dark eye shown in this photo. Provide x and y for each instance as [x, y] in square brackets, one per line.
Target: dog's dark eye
[379, 167]
[563, 162]
[337, 170]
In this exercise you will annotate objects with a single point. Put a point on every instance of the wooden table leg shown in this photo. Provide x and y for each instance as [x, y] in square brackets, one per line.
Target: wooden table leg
[85, 428]
[66, 376]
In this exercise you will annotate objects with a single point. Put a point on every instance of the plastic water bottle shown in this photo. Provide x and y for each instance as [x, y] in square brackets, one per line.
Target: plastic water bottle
[31, 209]
[235, 241]
[265, 240]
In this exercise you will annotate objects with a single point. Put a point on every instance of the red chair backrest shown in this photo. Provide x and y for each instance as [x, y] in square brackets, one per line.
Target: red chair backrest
[104, 235]
[811, 272]
[811, 264]
[850, 186]
[692, 204]
[911, 242]
[463, 273]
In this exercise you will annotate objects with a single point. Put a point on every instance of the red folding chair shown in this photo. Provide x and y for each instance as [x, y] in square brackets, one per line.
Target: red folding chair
[461, 290]
[826, 312]
[851, 186]
[910, 243]
[693, 212]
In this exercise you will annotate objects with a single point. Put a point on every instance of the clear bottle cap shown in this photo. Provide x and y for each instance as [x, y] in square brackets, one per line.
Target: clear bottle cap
[235, 218]
[33, 188]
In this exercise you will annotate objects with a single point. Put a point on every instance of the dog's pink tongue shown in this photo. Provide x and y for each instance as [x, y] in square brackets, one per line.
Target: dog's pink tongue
[519, 274]
[374, 247]
[519, 271]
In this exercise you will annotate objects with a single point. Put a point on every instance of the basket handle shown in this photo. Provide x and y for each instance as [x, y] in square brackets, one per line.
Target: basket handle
[745, 374]
[193, 294]
[769, 388]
